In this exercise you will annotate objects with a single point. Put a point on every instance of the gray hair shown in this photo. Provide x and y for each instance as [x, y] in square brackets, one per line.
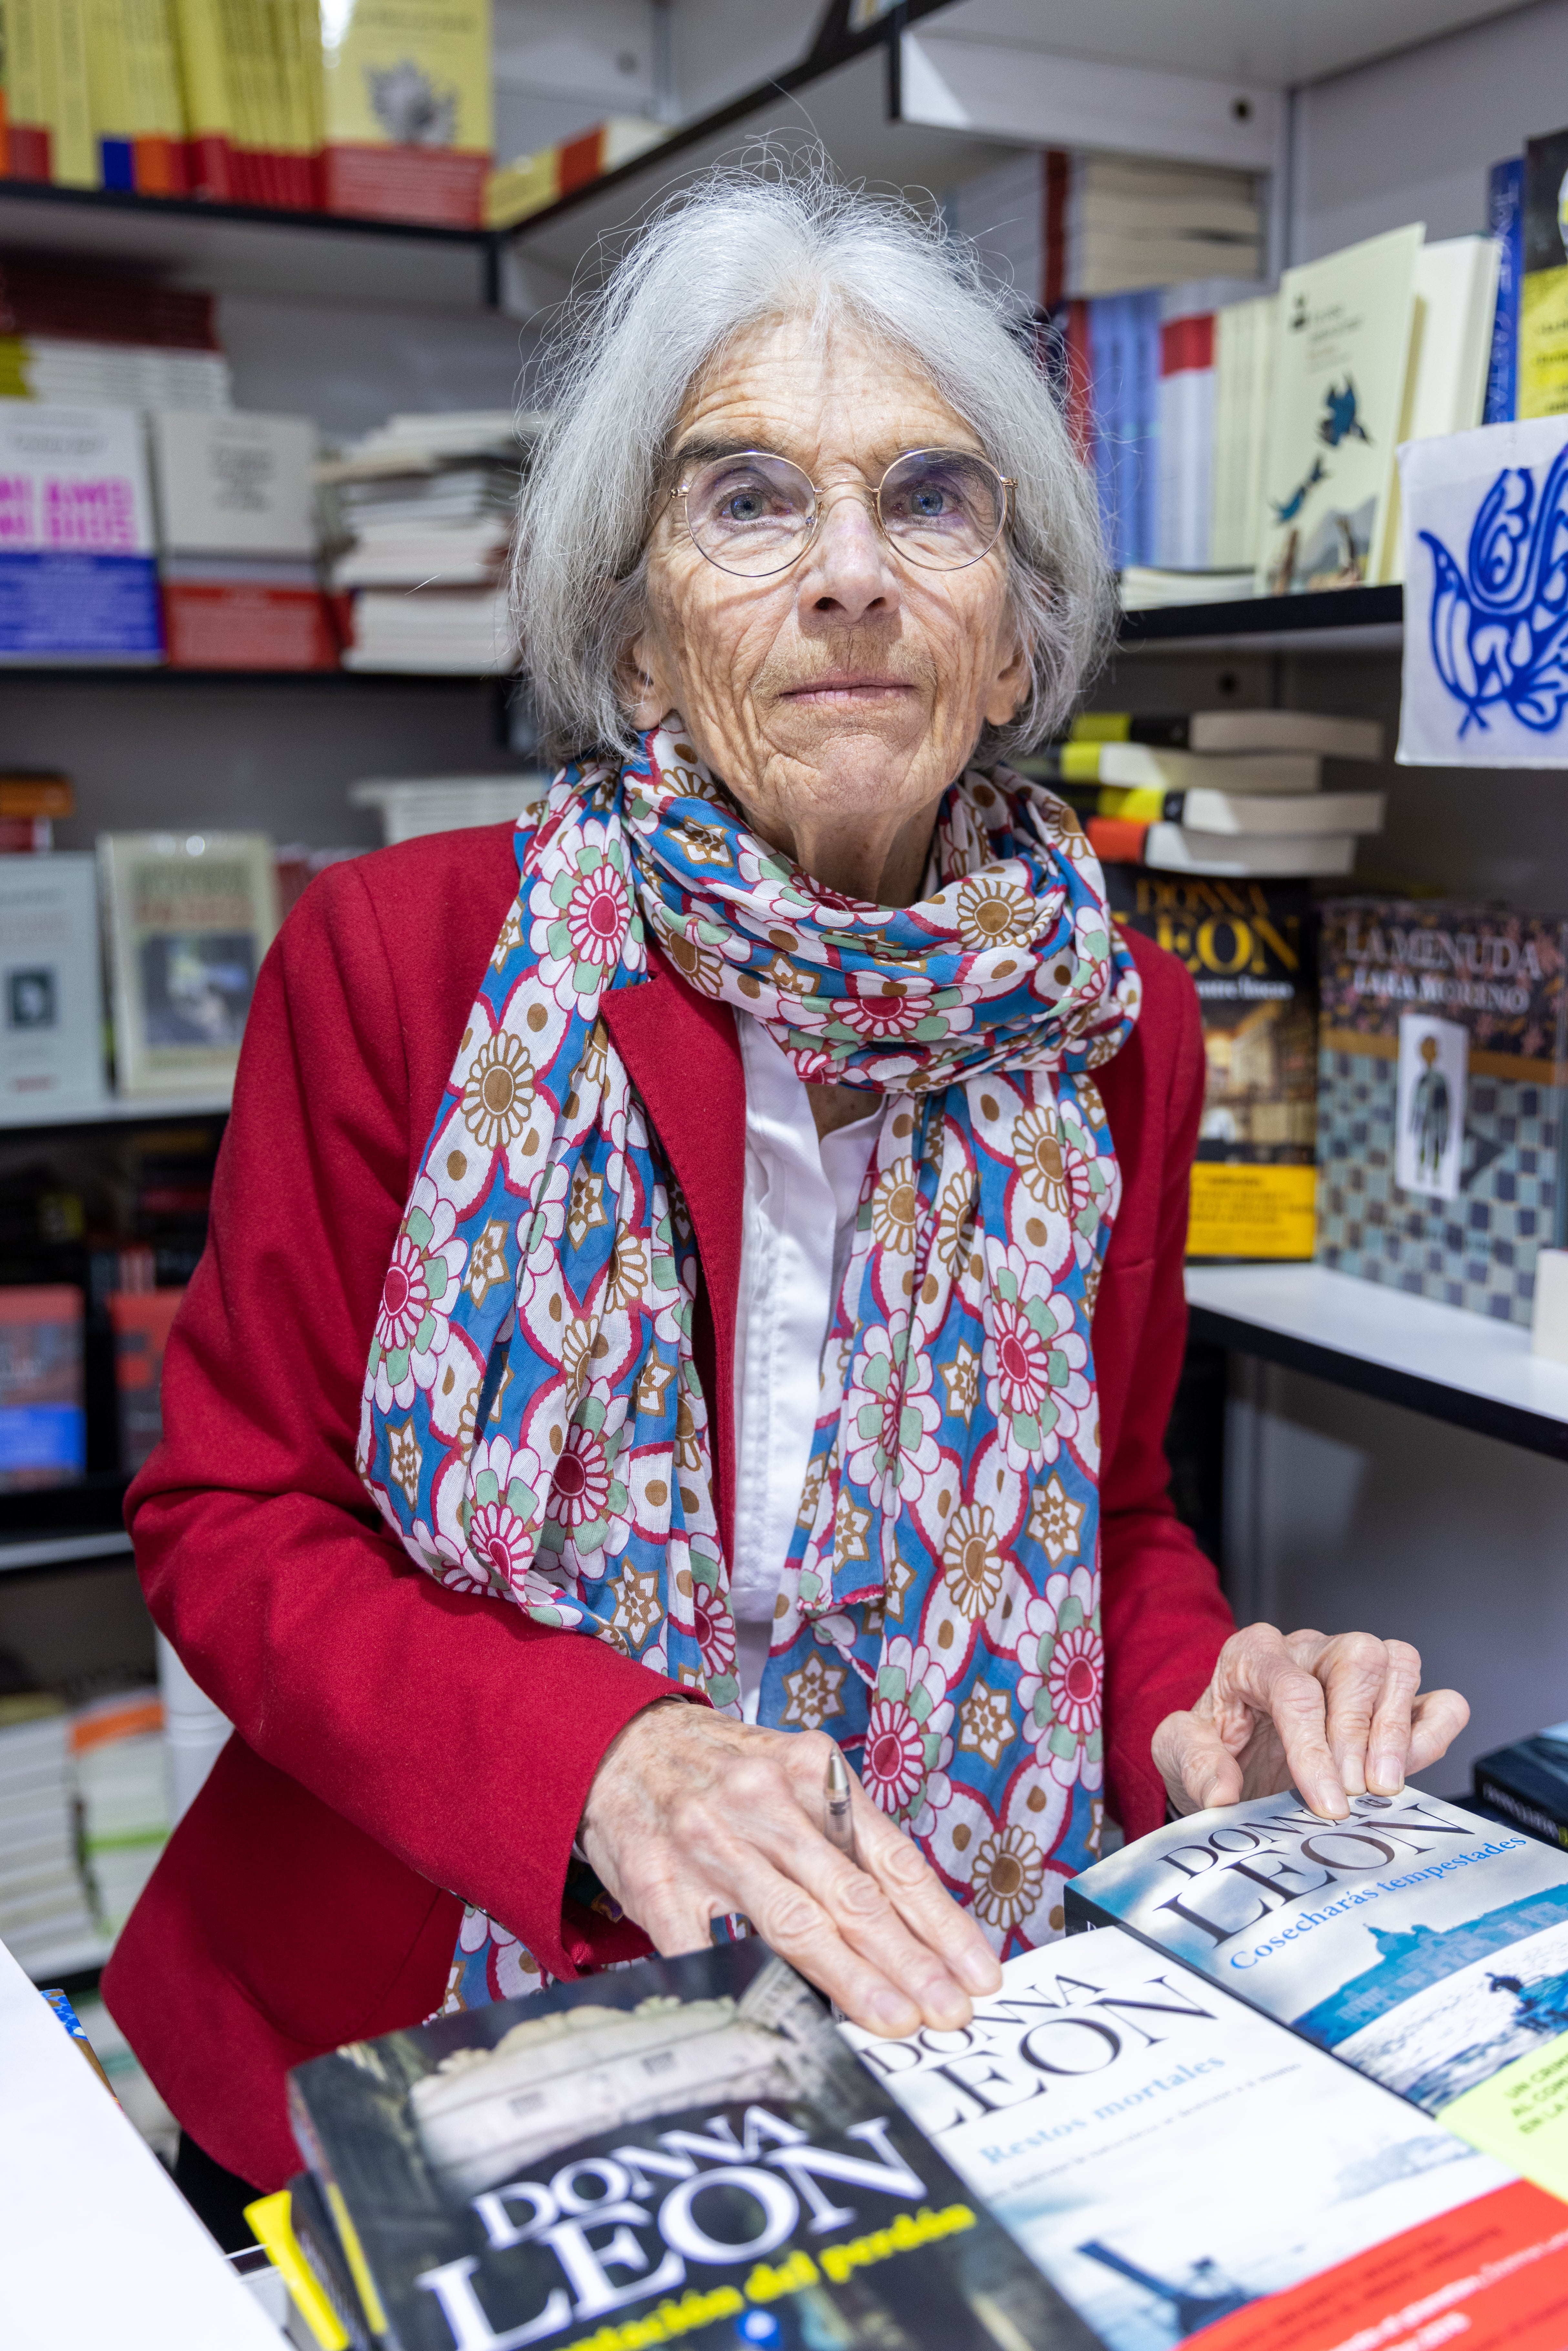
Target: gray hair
[740, 246]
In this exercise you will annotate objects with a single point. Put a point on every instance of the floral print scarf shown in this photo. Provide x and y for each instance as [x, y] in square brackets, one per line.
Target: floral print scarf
[533, 1425]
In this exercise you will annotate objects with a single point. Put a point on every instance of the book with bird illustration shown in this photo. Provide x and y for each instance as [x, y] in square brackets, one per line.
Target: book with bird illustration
[1342, 351]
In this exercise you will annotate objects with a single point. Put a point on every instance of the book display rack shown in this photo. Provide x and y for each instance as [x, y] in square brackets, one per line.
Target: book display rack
[920, 94]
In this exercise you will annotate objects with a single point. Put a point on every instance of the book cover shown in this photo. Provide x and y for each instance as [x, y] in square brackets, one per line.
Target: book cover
[1176, 2163]
[51, 993]
[78, 578]
[683, 2148]
[1440, 1073]
[1249, 949]
[43, 1421]
[141, 1321]
[1342, 347]
[1528, 1782]
[1423, 1946]
[1230, 856]
[189, 920]
[48, 114]
[1505, 220]
[234, 482]
[407, 117]
[1542, 381]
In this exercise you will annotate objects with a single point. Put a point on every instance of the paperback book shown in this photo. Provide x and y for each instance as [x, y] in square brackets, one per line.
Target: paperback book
[189, 919]
[1249, 949]
[51, 993]
[681, 2148]
[1425, 1948]
[1528, 1782]
[1542, 365]
[1184, 2169]
[1443, 1055]
[77, 578]
[1342, 351]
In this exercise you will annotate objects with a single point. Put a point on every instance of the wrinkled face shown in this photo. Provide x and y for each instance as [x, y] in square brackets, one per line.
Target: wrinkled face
[837, 699]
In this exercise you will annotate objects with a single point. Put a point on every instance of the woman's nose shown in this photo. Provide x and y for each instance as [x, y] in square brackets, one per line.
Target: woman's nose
[850, 568]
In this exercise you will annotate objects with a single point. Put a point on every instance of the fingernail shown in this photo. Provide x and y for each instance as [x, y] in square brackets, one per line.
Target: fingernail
[892, 2013]
[1387, 1775]
[1332, 1801]
[977, 1969]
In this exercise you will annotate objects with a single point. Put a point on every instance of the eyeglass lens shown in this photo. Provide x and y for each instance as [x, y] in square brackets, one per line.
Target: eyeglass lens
[754, 513]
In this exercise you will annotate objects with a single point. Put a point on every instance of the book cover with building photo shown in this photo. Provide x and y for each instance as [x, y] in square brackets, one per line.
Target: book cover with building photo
[189, 918]
[1443, 1055]
[682, 2148]
[1249, 949]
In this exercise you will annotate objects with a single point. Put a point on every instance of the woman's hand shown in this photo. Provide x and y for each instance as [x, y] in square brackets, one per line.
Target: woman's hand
[1334, 1717]
[692, 1814]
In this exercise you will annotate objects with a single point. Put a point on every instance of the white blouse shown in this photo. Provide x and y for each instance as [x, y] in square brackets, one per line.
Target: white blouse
[796, 1222]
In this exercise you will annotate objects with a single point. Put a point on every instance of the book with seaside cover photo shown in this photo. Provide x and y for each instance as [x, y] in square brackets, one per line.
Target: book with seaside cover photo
[682, 2148]
[1425, 1947]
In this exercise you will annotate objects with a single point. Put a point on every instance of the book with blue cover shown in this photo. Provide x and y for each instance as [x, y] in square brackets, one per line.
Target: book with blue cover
[1505, 219]
[1423, 1946]
[79, 575]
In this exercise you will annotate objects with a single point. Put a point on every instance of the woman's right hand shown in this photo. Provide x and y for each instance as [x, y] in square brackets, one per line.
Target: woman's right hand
[693, 1814]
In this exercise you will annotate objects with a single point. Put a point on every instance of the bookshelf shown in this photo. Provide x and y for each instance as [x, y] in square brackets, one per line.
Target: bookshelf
[1336, 621]
[1451, 1365]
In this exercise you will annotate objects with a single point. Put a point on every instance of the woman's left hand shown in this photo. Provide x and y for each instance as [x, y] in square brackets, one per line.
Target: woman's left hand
[1333, 1716]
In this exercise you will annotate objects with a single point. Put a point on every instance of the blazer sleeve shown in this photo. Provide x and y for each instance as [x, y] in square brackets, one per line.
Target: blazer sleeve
[451, 1729]
[1164, 1616]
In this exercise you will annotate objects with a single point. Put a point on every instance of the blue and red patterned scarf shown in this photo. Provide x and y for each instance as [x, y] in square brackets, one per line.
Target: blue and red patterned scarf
[533, 1425]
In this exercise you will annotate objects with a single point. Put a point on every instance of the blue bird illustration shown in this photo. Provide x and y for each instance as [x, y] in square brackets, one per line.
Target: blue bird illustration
[1339, 421]
[1292, 506]
[1499, 627]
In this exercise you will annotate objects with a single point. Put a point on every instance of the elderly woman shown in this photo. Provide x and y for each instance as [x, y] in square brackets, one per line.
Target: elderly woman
[697, 1281]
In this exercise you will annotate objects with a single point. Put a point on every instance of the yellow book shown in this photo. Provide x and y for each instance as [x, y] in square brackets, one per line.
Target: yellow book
[408, 111]
[1544, 288]
[133, 89]
[208, 101]
[46, 80]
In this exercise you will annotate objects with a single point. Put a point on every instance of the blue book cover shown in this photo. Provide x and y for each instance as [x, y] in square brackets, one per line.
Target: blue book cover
[1427, 1947]
[1143, 452]
[1105, 368]
[1505, 219]
[79, 579]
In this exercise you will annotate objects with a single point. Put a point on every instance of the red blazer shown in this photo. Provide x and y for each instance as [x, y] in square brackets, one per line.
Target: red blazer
[392, 1739]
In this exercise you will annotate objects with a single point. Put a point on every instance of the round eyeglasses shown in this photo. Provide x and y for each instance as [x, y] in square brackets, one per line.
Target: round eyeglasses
[755, 513]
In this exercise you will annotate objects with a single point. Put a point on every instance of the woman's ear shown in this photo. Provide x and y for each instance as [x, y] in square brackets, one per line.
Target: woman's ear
[1009, 684]
[638, 684]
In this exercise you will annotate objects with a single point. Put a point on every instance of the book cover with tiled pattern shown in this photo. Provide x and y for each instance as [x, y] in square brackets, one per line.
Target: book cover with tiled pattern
[1421, 971]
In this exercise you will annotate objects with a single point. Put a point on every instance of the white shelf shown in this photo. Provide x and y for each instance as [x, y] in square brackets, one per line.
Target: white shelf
[59, 1551]
[115, 1108]
[1440, 1359]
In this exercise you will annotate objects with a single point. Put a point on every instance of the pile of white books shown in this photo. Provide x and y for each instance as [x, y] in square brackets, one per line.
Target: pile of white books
[423, 525]
[45, 1919]
[1233, 793]
[122, 375]
[121, 1789]
[412, 807]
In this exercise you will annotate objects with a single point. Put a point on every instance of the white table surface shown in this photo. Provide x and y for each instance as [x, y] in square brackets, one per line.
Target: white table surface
[1469, 1352]
[98, 2251]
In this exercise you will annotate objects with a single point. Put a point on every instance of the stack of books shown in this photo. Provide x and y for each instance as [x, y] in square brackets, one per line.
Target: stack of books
[43, 1415]
[237, 539]
[120, 1784]
[94, 341]
[1234, 793]
[1140, 2140]
[1062, 226]
[423, 509]
[44, 1920]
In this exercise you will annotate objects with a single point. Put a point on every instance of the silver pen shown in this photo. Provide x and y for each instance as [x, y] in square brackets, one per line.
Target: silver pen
[837, 1820]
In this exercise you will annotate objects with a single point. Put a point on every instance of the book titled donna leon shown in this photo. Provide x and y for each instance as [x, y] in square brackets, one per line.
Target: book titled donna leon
[685, 2150]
